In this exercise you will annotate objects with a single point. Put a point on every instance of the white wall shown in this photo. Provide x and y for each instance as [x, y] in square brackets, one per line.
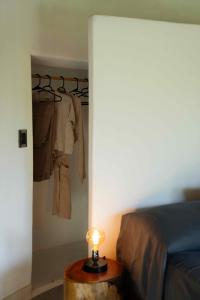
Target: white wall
[16, 30]
[48, 230]
[63, 24]
[144, 117]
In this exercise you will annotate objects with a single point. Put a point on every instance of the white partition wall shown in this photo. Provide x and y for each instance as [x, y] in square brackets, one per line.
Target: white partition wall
[16, 31]
[144, 117]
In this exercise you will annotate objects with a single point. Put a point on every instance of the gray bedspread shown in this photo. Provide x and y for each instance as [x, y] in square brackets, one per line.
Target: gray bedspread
[146, 238]
[182, 280]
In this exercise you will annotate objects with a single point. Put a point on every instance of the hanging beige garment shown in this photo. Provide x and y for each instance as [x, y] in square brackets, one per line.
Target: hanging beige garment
[62, 191]
[43, 138]
[64, 125]
[64, 144]
[79, 137]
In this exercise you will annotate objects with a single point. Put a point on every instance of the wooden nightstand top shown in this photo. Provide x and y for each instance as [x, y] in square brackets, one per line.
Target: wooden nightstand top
[75, 272]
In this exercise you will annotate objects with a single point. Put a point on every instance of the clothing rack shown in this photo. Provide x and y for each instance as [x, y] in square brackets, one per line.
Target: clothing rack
[54, 77]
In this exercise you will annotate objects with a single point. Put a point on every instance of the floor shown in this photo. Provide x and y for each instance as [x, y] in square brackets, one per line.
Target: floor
[53, 294]
[48, 266]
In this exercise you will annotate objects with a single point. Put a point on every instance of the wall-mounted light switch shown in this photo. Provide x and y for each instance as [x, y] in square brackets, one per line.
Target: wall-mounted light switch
[22, 138]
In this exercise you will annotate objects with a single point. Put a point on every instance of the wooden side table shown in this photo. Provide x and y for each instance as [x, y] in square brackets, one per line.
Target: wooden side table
[80, 285]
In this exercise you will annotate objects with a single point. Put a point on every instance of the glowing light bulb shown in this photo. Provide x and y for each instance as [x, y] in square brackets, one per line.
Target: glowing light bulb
[95, 238]
[95, 264]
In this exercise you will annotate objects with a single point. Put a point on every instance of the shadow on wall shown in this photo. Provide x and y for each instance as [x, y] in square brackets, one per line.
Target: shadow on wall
[166, 197]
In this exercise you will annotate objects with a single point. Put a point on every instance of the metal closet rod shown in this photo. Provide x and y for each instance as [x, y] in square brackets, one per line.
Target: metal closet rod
[54, 77]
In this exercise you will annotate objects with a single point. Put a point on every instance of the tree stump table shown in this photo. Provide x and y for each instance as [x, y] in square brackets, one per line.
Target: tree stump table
[80, 285]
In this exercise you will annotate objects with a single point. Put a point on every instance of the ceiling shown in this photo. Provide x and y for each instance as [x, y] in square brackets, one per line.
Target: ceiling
[63, 24]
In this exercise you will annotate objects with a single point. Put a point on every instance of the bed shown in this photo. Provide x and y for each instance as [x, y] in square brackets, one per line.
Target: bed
[160, 248]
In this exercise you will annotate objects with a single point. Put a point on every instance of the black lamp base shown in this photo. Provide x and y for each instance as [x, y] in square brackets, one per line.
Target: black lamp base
[95, 267]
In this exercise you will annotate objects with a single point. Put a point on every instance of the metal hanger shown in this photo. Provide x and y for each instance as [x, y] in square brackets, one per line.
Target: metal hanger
[48, 86]
[85, 89]
[39, 88]
[62, 89]
[76, 90]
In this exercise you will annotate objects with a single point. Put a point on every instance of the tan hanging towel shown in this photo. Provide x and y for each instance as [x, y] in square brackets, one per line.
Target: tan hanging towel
[43, 139]
[79, 137]
[62, 191]
[64, 125]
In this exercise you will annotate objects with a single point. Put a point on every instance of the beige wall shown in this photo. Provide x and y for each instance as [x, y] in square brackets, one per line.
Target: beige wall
[16, 30]
[144, 117]
[64, 24]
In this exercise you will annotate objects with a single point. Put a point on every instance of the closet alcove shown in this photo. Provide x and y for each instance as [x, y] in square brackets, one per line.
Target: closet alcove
[57, 242]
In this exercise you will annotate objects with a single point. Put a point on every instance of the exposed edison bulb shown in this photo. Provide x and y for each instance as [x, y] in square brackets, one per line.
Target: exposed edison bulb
[95, 238]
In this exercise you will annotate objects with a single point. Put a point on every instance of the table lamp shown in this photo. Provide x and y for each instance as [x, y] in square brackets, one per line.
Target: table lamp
[95, 264]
